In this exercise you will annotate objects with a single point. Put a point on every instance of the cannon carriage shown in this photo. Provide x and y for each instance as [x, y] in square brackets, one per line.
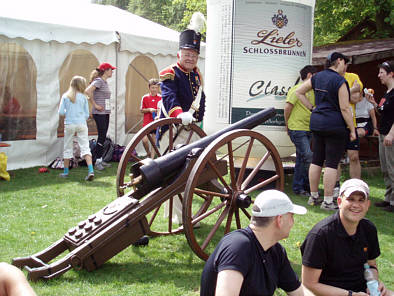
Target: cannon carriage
[215, 177]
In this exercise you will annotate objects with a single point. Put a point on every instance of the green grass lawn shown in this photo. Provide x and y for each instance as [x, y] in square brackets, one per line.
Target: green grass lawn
[38, 209]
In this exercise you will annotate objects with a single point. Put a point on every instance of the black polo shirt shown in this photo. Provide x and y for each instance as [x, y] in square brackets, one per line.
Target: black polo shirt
[340, 256]
[263, 271]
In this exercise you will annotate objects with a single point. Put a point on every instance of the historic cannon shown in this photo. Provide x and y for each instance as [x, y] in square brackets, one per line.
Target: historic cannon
[215, 177]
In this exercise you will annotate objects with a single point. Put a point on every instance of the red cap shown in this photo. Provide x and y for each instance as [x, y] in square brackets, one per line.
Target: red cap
[106, 66]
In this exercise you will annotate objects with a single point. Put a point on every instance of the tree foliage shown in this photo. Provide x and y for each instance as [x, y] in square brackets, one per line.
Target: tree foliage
[122, 4]
[166, 12]
[333, 18]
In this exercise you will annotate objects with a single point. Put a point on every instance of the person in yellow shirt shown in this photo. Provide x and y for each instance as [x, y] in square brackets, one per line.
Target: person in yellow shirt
[297, 118]
[352, 147]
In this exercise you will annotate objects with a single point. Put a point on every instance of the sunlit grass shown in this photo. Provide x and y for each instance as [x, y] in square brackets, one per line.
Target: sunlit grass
[38, 209]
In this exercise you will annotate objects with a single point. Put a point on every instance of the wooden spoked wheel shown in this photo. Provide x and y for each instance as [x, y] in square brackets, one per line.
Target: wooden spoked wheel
[177, 134]
[253, 164]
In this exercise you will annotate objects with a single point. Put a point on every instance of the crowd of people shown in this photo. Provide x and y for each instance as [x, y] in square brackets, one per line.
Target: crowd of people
[251, 261]
[330, 111]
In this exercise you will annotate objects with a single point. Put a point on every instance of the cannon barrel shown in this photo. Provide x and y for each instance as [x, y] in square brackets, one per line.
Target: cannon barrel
[154, 172]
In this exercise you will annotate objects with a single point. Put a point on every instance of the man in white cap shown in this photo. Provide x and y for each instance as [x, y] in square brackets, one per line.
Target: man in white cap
[250, 261]
[336, 249]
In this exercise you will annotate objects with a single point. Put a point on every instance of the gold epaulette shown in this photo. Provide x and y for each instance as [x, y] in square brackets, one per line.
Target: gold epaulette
[167, 73]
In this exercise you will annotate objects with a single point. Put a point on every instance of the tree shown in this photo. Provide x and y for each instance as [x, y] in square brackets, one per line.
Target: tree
[336, 17]
[165, 12]
[122, 4]
[333, 18]
[191, 7]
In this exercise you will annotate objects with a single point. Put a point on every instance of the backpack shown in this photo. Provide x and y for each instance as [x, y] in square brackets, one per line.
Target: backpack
[92, 146]
[108, 150]
[58, 163]
[118, 151]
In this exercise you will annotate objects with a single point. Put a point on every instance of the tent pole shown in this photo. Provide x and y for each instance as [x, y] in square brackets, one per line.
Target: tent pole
[117, 49]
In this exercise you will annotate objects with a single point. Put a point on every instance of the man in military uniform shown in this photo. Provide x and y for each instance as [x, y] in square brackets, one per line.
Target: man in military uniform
[182, 90]
[181, 83]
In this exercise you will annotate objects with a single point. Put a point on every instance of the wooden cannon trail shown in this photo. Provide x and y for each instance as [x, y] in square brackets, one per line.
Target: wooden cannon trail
[215, 193]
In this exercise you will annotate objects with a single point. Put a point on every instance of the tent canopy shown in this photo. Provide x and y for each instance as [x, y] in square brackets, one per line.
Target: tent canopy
[43, 43]
[85, 23]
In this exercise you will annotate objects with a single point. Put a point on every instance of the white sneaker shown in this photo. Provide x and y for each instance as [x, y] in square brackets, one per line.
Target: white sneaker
[106, 164]
[89, 177]
[63, 175]
[332, 206]
[99, 166]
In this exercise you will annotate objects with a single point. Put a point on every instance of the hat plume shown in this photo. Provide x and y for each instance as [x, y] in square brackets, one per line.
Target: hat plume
[197, 22]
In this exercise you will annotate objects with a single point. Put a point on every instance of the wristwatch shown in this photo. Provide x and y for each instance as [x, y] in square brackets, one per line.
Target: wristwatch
[350, 293]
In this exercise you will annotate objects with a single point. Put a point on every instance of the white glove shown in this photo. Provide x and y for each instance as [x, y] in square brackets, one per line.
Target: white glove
[186, 117]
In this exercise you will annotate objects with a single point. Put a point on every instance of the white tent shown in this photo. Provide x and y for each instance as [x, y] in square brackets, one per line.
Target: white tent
[44, 43]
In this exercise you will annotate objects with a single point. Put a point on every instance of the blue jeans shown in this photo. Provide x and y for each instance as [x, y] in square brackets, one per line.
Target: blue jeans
[302, 142]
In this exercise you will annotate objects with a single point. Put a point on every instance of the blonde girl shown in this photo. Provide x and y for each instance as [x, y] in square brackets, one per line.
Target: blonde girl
[74, 106]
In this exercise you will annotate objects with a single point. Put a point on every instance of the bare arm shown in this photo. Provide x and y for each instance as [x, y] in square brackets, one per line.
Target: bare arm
[148, 110]
[356, 88]
[310, 279]
[89, 92]
[301, 93]
[388, 139]
[355, 98]
[374, 122]
[229, 283]
[287, 111]
[371, 99]
[13, 282]
[343, 96]
[382, 288]
[301, 291]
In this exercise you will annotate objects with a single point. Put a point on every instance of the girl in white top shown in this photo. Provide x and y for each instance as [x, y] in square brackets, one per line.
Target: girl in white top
[74, 106]
[366, 119]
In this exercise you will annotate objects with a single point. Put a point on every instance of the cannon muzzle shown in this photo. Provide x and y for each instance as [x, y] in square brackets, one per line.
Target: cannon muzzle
[155, 172]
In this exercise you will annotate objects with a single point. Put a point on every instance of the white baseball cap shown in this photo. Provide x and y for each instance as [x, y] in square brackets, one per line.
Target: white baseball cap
[354, 185]
[272, 203]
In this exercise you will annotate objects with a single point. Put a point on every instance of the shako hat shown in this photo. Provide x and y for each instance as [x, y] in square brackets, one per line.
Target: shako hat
[190, 38]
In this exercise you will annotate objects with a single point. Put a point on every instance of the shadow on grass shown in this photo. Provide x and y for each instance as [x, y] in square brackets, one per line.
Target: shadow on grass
[166, 259]
[150, 271]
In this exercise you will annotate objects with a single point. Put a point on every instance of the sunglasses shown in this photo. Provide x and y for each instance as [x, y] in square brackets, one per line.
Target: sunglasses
[387, 67]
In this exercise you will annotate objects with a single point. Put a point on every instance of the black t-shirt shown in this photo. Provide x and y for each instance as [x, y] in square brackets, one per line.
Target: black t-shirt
[340, 256]
[263, 271]
[386, 109]
[327, 115]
